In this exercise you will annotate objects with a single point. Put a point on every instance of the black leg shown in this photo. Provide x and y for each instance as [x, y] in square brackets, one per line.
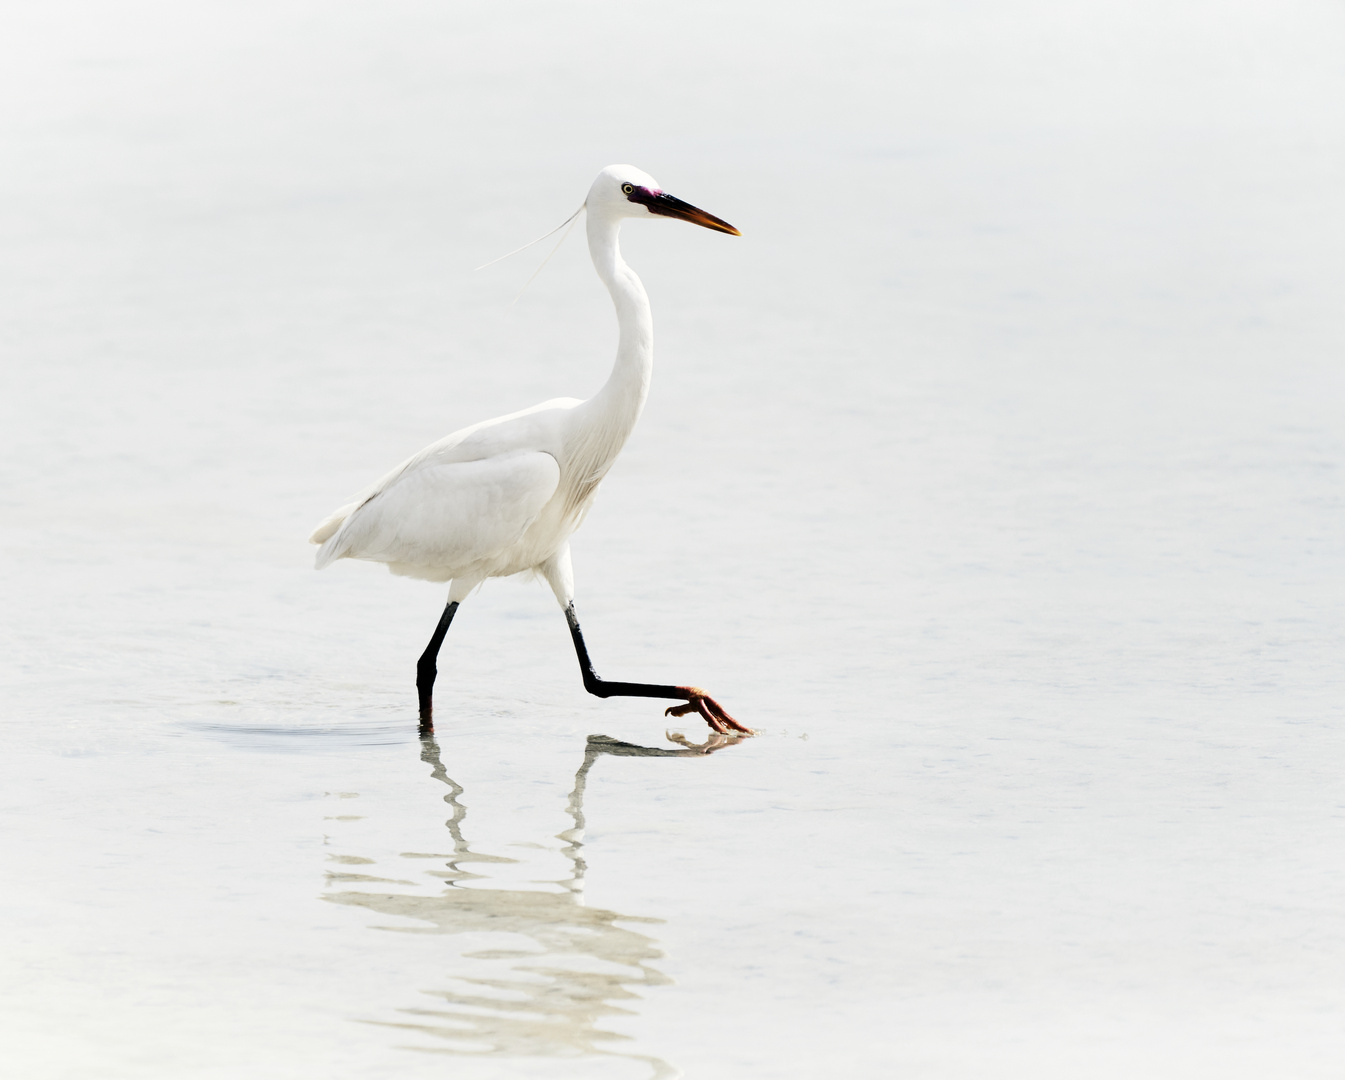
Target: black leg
[427, 668]
[697, 700]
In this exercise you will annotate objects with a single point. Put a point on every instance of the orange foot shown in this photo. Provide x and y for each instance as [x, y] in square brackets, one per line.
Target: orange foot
[715, 715]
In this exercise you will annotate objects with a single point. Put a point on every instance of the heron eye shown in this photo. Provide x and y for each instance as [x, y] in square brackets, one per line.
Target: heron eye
[627, 188]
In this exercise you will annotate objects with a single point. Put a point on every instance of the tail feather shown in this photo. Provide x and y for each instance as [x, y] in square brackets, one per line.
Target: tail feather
[333, 549]
[327, 534]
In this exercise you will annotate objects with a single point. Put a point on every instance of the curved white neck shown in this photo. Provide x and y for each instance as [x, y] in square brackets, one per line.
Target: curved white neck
[622, 397]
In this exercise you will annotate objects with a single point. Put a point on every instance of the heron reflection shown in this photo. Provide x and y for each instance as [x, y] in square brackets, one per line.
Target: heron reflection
[575, 966]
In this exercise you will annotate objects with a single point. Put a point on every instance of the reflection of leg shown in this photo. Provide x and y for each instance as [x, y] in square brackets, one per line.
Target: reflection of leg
[697, 700]
[605, 744]
[574, 836]
[427, 668]
[714, 741]
[429, 753]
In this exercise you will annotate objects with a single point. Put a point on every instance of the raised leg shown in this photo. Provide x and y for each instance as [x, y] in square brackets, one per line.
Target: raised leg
[696, 699]
[427, 668]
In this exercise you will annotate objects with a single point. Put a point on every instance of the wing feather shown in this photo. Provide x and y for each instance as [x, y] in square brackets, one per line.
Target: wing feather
[447, 516]
[488, 439]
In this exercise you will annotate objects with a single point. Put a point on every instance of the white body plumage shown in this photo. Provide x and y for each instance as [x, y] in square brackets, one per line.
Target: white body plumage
[503, 496]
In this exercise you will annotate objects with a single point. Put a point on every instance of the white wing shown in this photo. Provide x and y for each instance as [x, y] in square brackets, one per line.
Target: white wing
[448, 516]
[526, 430]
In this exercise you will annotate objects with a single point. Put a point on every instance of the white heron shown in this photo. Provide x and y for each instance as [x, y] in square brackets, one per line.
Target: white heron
[503, 496]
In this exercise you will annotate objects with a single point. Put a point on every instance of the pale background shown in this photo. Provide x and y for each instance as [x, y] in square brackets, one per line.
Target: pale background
[995, 473]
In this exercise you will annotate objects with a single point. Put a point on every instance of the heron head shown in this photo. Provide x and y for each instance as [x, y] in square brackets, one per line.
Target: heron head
[623, 191]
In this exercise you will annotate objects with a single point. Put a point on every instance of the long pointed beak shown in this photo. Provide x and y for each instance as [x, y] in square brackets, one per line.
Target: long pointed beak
[670, 206]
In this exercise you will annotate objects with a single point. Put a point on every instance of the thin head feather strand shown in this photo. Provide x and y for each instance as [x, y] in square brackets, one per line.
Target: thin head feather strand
[568, 221]
[573, 218]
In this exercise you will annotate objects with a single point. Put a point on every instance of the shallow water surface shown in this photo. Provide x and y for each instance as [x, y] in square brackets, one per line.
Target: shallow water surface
[993, 475]
[559, 967]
